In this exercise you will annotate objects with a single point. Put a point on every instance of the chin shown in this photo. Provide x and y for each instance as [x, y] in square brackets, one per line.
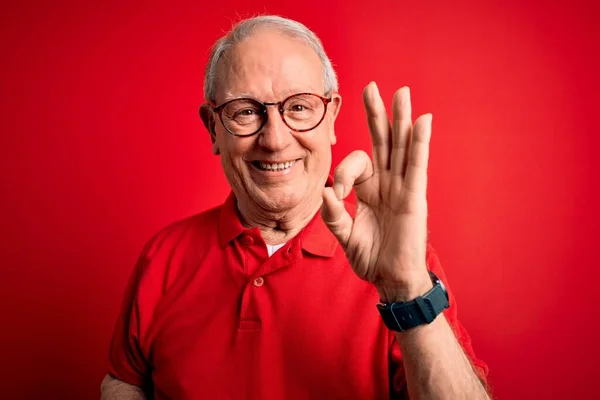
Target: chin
[280, 199]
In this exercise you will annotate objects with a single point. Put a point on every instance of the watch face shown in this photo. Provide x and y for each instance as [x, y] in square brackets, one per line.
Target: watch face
[437, 280]
[442, 285]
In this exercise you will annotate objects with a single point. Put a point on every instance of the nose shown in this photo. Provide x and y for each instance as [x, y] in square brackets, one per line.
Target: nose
[275, 134]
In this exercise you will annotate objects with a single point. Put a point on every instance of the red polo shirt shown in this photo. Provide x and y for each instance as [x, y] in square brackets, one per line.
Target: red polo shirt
[209, 315]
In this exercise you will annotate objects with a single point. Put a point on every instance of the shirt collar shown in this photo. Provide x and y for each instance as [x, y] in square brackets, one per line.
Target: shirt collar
[315, 238]
[230, 225]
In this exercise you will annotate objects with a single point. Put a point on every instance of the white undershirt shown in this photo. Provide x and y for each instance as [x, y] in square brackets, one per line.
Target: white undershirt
[273, 249]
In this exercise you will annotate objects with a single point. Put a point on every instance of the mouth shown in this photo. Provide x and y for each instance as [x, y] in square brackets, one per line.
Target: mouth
[274, 166]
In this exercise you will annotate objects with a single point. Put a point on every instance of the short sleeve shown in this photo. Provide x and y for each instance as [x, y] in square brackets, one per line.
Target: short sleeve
[398, 379]
[128, 362]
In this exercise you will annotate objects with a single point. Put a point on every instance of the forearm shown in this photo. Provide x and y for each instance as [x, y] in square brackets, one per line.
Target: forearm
[114, 389]
[435, 364]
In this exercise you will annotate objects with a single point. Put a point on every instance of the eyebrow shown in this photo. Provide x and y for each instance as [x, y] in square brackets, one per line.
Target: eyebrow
[230, 96]
[247, 95]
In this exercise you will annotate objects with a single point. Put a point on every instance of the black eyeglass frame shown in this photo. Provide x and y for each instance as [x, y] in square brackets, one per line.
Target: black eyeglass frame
[219, 110]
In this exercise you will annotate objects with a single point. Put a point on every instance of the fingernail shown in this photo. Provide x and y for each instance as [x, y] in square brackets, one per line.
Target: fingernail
[338, 189]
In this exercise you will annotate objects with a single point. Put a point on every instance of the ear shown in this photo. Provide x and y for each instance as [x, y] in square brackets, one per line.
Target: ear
[333, 109]
[208, 119]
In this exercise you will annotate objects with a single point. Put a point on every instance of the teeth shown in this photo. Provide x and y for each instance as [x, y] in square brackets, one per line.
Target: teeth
[276, 166]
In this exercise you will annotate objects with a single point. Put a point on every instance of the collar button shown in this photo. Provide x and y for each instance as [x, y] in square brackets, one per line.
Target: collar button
[247, 241]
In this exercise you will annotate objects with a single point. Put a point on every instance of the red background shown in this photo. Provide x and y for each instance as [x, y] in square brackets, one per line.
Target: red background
[101, 146]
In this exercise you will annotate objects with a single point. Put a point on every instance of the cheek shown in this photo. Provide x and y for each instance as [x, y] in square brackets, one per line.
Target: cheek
[233, 150]
[318, 143]
[319, 148]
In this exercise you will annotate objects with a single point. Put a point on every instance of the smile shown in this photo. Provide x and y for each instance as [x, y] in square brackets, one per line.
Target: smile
[265, 166]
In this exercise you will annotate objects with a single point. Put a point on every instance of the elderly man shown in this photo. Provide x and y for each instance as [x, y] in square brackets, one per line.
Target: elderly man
[286, 291]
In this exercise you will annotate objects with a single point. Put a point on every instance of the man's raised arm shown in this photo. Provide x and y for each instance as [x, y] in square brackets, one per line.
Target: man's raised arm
[114, 389]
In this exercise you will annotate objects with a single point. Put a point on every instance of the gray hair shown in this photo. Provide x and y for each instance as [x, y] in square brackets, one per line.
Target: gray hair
[245, 28]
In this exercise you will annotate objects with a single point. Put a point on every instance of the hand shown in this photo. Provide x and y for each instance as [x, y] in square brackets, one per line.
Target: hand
[386, 242]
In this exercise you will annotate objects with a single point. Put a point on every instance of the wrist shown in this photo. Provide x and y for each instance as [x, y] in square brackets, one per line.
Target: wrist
[408, 290]
[405, 307]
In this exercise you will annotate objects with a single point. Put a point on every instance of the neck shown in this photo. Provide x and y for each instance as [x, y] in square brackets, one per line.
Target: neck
[278, 227]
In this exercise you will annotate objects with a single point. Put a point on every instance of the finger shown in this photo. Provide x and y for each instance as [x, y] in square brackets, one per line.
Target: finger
[335, 216]
[401, 130]
[353, 170]
[416, 169]
[379, 126]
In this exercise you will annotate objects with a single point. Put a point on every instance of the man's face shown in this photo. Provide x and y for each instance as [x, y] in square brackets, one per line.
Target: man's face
[269, 67]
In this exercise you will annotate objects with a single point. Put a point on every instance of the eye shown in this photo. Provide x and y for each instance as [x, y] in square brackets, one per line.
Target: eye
[248, 112]
[297, 108]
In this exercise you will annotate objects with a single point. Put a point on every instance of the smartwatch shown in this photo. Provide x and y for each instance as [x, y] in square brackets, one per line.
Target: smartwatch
[424, 309]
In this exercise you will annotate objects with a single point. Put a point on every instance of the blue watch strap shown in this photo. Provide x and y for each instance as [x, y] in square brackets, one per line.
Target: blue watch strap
[424, 309]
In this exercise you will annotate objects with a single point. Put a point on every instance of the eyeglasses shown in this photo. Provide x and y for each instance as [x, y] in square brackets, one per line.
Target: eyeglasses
[301, 112]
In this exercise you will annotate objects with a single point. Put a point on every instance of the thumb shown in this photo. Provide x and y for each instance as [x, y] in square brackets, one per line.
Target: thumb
[336, 217]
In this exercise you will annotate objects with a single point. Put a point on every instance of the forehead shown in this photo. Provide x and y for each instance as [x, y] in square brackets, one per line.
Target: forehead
[268, 66]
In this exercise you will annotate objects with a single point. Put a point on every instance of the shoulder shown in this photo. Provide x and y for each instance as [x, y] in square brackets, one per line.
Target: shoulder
[174, 248]
[173, 235]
